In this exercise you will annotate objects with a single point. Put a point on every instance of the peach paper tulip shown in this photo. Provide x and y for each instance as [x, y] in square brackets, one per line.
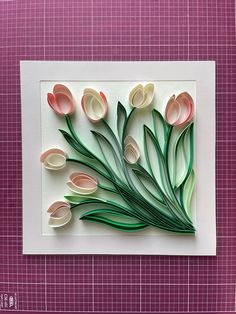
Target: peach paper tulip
[82, 183]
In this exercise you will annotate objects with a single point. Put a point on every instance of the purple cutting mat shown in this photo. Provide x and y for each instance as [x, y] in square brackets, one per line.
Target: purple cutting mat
[117, 30]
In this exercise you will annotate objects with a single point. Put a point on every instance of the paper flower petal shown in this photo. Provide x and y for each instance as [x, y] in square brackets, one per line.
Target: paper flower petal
[57, 205]
[53, 159]
[136, 96]
[131, 150]
[94, 105]
[148, 95]
[179, 110]
[64, 103]
[60, 214]
[187, 108]
[82, 183]
[172, 111]
[53, 103]
[60, 88]
[141, 96]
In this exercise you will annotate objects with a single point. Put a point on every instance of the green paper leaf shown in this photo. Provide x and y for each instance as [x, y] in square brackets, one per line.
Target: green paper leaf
[76, 199]
[76, 144]
[183, 156]
[107, 151]
[148, 184]
[160, 128]
[186, 191]
[79, 200]
[121, 119]
[117, 212]
[99, 216]
[155, 160]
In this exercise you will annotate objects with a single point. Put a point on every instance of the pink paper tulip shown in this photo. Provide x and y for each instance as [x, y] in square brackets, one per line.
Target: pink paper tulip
[61, 100]
[179, 110]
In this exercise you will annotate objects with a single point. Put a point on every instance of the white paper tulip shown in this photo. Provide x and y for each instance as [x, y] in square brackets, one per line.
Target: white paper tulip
[53, 159]
[131, 150]
[141, 96]
[60, 214]
[94, 105]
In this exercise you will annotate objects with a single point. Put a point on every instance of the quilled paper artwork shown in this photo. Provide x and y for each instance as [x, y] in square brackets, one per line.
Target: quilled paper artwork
[146, 181]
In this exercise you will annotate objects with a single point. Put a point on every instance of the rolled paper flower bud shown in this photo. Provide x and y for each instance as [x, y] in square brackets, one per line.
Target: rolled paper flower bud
[53, 159]
[94, 105]
[179, 110]
[131, 150]
[60, 214]
[61, 100]
[141, 96]
[82, 183]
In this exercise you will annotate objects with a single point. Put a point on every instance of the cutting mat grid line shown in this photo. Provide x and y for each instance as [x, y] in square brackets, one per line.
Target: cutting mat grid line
[117, 30]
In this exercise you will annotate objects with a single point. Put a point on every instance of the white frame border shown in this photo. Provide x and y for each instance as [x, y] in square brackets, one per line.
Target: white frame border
[203, 72]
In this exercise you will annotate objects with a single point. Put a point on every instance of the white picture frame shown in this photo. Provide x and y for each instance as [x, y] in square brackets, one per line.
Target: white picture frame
[36, 239]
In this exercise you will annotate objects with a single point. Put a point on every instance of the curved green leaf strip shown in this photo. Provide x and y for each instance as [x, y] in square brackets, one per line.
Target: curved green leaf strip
[186, 191]
[107, 149]
[75, 144]
[155, 160]
[117, 212]
[76, 199]
[100, 216]
[160, 128]
[148, 184]
[130, 116]
[183, 156]
[121, 119]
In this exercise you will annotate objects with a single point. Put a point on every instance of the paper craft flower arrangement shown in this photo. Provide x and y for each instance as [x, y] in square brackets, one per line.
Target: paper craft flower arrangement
[156, 192]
